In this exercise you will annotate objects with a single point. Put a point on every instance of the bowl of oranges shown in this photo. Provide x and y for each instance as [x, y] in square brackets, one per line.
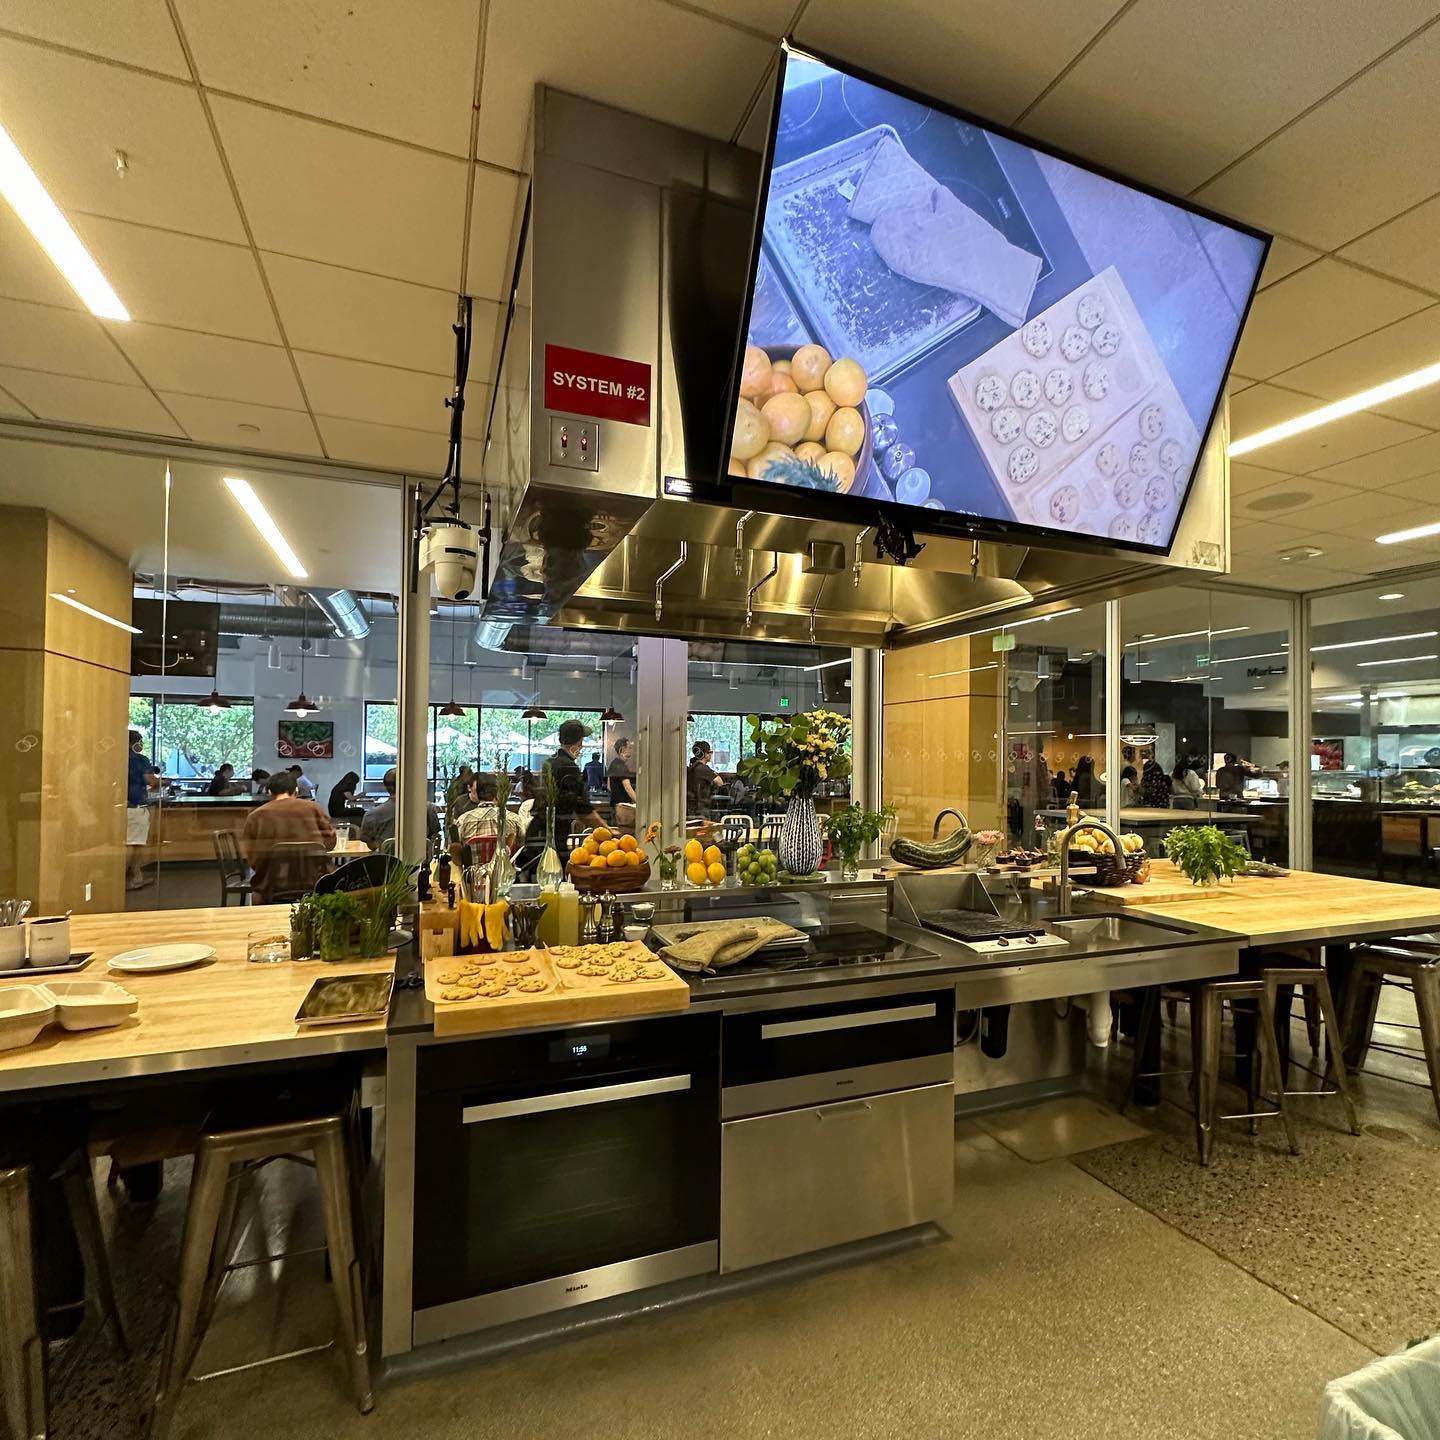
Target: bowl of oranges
[608, 860]
[704, 864]
[802, 419]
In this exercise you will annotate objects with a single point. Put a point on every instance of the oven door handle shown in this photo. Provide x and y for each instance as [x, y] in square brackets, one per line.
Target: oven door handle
[571, 1099]
[857, 1020]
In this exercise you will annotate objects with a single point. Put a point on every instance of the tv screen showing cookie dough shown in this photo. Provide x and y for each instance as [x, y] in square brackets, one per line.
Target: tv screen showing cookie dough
[946, 318]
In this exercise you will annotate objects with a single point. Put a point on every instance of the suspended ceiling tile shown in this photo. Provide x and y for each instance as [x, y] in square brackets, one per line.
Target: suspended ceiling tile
[1285, 257]
[1340, 440]
[181, 280]
[772, 17]
[1362, 514]
[69, 116]
[67, 342]
[369, 63]
[213, 365]
[1316, 309]
[388, 446]
[1298, 577]
[1167, 94]
[1265, 536]
[1404, 247]
[1388, 467]
[26, 271]
[1245, 477]
[1264, 405]
[355, 390]
[1290, 496]
[255, 427]
[494, 213]
[1409, 344]
[1354, 161]
[642, 55]
[139, 32]
[992, 60]
[342, 312]
[88, 402]
[326, 194]
[9, 405]
[1420, 487]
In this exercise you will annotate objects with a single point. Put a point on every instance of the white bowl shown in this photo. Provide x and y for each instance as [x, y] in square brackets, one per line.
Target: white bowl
[25, 1010]
[90, 1004]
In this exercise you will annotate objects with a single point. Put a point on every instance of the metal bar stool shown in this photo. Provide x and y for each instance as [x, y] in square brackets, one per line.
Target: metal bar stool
[1417, 962]
[222, 1157]
[1207, 1001]
[22, 1347]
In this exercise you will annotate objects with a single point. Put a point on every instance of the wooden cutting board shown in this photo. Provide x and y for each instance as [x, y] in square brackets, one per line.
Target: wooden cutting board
[1168, 885]
[569, 995]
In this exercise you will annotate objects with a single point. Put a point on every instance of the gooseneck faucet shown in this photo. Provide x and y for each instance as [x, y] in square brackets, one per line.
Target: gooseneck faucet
[1083, 823]
[964, 823]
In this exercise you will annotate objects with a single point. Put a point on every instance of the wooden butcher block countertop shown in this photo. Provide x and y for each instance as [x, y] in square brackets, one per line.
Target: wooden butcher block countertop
[1300, 907]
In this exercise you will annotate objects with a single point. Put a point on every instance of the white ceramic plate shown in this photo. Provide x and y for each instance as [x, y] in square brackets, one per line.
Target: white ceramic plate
[161, 957]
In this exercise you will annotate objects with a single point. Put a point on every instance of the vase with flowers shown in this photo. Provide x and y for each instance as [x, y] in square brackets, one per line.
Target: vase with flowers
[667, 857]
[791, 759]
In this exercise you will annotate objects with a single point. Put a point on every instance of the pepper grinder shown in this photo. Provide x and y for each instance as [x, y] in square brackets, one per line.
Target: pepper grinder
[608, 927]
[591, 930]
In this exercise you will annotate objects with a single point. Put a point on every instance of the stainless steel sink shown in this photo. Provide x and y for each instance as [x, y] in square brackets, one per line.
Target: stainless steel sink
[1116, 929]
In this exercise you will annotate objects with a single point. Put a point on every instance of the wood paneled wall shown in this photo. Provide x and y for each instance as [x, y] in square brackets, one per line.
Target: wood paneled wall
[942, 734]
[64, 687]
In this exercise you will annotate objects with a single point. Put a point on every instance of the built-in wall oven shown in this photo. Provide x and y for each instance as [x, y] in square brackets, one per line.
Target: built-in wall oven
[838, 1124]
[562, 1167]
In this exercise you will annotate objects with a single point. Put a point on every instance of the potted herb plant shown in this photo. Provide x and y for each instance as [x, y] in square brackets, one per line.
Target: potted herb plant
[791, 759]
[1205, 853]
[850, 829]
[334, 915]
[377, 908]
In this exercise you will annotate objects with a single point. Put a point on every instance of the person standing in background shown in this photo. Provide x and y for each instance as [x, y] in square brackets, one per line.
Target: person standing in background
[594, 773]
[621, 774]
[700, 779]
[142, 781]
[1154, 785]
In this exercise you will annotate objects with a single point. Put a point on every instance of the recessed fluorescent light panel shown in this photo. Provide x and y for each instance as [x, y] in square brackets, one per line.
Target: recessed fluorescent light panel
[42, 218]
[1398, 660]
[1352, 404]
[94, 614]
[1418, 532]
[1375, 640]
[261, 519]
[1183, 635]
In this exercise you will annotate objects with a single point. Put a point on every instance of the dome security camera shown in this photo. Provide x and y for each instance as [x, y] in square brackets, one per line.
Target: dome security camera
[452, 552]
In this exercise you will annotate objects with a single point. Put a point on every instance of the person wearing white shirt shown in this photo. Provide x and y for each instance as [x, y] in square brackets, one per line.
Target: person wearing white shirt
[484, 819]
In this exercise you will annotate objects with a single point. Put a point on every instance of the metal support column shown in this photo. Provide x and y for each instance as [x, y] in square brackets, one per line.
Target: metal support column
[412, 701]
[662, 701]
[867, 728]
[1114, 710]
[1302, 850]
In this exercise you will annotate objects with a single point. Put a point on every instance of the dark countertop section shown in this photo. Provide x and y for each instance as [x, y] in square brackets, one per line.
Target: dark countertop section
[242, 800]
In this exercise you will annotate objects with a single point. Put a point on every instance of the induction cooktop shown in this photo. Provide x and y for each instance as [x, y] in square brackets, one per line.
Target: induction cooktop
[840, 945]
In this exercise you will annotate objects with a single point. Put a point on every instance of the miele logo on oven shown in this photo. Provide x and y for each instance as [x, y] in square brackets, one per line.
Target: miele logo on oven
[607, 387]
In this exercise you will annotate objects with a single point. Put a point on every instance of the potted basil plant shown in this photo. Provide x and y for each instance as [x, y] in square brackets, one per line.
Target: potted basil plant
[850, 829]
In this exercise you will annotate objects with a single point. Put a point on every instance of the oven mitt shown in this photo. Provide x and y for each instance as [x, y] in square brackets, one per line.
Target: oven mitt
[922, 231]
[717, 946]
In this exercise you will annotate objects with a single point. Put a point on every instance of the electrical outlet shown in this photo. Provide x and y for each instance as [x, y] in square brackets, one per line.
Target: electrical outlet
[574, 444]
[87, 892]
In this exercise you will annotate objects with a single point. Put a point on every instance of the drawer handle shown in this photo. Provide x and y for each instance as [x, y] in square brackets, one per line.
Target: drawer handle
[856, 1020]
[852, 1107]
[570, 1099]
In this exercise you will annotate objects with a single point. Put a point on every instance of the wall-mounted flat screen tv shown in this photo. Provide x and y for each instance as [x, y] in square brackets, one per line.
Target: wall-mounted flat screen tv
[177, 637]
[945, 317]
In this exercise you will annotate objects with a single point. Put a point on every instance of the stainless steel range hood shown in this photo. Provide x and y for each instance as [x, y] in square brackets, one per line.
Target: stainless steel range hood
[635, 246]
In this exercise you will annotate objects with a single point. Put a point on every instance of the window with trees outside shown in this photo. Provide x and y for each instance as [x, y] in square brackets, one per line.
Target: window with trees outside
[185, 739]
[726, 737]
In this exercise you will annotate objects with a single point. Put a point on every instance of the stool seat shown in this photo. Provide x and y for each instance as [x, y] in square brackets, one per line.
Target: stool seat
[1312, 979]
[288, 1128]
[1416, 959]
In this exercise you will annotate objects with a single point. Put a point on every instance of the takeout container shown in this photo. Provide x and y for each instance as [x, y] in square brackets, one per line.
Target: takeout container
[12, 947]
[25, 1010]
[49, 939]
[90, 1004]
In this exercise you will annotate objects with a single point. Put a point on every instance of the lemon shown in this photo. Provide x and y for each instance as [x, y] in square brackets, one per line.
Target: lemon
[755, 372]
[840, 465]
[762, 462]
[808, 451]
[695, 873]
[694, 851]
[750, 433]
[716, 872]
[788, 417]
[846, 431]
[808, 367]
[712, 855]
[822, 407]
[845, 382]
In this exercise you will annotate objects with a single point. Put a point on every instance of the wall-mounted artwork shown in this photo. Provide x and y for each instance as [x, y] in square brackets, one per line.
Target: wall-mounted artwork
[306, 740]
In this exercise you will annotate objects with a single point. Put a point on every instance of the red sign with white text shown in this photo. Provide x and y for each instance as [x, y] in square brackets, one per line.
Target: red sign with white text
[581, 382]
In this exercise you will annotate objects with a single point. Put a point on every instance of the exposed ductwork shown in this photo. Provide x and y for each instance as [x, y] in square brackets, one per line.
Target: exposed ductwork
[342, 609]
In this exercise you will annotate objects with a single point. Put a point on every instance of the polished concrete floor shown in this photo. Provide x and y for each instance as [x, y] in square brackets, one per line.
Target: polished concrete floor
[1114, 1289]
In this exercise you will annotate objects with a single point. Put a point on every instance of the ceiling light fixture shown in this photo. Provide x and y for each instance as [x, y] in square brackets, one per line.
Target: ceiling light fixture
[94, 614]
[1375, 640]
[1184, 635]
[1418, 532]
[1016, 624]
[1398, 660]
[828, 664]
[42, 218]
[1363, 400]
[217, 702]
[940, 675]
[533, 712]
[1392, 595]
[262, 520]
[1262, 655]
[1356, 695]
[302, 705]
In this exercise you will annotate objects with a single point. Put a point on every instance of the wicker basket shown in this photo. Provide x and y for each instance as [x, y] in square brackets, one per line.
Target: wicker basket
[612, 880]
[1133, 864]
[1110, 870]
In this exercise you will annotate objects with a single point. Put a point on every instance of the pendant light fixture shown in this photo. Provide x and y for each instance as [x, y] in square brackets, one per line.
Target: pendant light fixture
[452, 709]
[533, 712]
[610, 714]
[216, 701]
[302, 705]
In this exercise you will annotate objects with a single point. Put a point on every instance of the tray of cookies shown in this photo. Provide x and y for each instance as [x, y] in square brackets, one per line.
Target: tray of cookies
[564, 984]
[1043, 395]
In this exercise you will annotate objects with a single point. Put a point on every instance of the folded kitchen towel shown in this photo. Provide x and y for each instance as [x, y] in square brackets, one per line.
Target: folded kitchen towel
[922, 231]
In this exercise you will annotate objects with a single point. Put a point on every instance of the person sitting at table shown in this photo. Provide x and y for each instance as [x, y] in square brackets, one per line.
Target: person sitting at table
[258, 778]
[304, 785]
[1129, 785]
[379, 825]
[222, 782]
[700, 779]
[1154, 785]
[484, 818]
[342, 804]
[1184, 780]
[283, 819]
